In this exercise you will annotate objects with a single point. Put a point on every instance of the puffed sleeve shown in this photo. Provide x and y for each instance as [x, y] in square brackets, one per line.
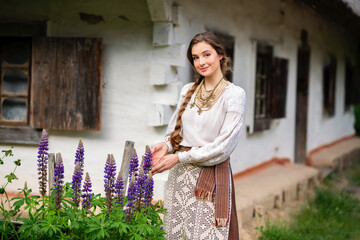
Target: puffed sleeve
[224, 144]
[172, 122]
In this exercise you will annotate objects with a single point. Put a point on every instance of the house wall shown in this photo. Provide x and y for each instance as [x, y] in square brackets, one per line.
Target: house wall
[127, 35]
[127, 32]
[278, 23]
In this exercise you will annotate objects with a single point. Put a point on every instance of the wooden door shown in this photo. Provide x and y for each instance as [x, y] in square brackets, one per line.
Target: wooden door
[302, 89]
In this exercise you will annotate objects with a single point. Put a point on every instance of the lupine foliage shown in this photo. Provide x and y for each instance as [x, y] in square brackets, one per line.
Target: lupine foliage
[64, 216]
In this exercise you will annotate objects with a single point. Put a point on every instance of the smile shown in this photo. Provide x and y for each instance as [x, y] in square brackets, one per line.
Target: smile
[204, 69]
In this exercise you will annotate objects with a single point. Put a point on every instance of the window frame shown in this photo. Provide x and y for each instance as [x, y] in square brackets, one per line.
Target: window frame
[25, 95]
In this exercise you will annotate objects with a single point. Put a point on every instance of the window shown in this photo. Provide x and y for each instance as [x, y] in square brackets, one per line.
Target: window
[15, 80]
[264, 55]
[329, 82]
[49, 82]
[270, 87]
[228, 42]
[348, 83]
[352, 86]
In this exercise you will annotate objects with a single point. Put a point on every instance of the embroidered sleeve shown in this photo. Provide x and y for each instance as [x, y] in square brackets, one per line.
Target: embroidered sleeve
[172, 122]
[223, 145]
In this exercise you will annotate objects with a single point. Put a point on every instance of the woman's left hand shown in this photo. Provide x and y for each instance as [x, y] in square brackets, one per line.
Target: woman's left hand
[165, 163]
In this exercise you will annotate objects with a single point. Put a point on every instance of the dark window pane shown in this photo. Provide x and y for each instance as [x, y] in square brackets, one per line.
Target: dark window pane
[15, 52]
[14, 109]
[15, 81]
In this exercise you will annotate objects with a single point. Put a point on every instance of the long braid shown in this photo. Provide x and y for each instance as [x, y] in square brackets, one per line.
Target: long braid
[176, 138]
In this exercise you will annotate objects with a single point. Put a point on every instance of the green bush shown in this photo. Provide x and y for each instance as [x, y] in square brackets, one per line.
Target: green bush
[357, 120]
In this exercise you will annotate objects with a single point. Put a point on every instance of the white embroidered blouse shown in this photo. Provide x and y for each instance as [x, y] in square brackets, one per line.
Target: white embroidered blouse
[214, 134]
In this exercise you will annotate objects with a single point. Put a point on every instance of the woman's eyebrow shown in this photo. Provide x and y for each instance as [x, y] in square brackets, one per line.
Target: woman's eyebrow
[201, 52]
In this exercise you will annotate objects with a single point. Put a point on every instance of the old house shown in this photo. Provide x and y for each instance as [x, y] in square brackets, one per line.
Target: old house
[107, 72]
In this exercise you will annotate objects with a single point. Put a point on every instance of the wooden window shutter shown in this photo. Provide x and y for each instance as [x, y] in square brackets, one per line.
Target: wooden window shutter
[279, 87]
[329, 82]
[66, 83]
[264, 57]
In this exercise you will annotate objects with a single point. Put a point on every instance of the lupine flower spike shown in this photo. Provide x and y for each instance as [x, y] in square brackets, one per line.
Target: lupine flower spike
[119, 190]
[149, 190]
[86, 197]
[134, 165]
[42, 162]
[131, 197]
[110, 171]
[147, 160]
[140, 184]
[76, 184]
[58, 181]
[79, 156]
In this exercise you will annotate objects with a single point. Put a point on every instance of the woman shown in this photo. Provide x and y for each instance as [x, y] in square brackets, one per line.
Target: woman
[202, 133]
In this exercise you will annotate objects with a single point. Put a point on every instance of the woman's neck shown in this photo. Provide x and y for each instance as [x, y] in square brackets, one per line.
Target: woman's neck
[211, 81]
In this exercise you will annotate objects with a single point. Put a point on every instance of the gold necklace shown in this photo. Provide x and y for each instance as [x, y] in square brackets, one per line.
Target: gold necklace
[204, 99]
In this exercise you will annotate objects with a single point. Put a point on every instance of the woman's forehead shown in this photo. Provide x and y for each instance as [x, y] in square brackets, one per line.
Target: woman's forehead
[201, 47]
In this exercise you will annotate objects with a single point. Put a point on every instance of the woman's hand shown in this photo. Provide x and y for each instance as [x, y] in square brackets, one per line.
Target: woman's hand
[158, 152]
[165, 163]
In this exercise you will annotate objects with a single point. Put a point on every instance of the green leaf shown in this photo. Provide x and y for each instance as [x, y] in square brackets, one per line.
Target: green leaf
[11, 177]
[2, 190]
[8, 153]
[19, 203]
[17, 162]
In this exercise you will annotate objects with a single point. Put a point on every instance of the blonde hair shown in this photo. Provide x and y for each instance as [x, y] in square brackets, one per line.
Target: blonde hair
[213, 40]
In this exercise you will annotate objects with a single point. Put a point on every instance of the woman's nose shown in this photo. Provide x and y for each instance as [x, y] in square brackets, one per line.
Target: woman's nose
[201, 61]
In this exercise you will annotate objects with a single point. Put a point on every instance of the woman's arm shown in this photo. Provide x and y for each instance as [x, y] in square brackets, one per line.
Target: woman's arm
[223, 145]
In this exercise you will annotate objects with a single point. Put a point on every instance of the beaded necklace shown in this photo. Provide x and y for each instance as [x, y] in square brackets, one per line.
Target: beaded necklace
[204, 99]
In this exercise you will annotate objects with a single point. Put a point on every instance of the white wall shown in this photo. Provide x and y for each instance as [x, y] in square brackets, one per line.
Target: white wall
[127, 95]
[249, 21]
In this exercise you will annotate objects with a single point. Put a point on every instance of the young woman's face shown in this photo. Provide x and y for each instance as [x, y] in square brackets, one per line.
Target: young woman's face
[206, 59]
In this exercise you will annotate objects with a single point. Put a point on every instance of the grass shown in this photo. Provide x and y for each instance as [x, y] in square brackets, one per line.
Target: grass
[353, 174]
[332, 214]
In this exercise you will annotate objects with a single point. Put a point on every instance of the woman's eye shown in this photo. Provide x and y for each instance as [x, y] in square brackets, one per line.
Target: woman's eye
[207, 54]
[195, 58]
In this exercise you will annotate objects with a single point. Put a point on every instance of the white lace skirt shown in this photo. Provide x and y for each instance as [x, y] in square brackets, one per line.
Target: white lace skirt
[188, 217]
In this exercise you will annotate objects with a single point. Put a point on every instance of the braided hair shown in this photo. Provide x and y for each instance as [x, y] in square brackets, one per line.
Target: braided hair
[210, 38]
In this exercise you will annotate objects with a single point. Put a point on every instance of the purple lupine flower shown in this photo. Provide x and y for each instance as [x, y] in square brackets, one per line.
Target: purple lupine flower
[147, 160]
[42, 162]
[149, 190]
[58, 181]
[131, 197]
[79, 156]
[86, 197]
[140, 184]
[134, 165]
[119, 190]
[76, 184]
[109, 179]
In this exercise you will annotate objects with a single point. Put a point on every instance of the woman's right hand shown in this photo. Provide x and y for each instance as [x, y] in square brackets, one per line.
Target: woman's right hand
[158, 152]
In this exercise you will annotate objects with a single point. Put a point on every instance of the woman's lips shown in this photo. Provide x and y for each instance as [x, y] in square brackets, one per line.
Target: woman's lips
[204, 69]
